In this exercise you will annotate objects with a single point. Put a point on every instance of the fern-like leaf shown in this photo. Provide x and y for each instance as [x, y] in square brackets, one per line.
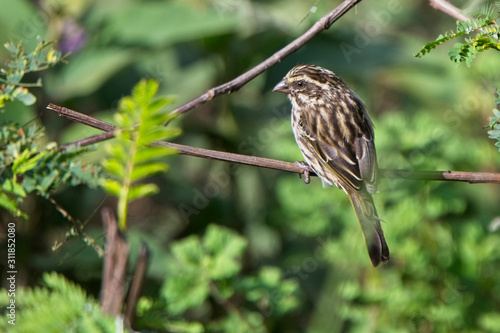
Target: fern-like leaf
[140, 120]
[23, 62]
[488, 11]
[26, 167]
[59, 306]
[485, 39]
[494, 133]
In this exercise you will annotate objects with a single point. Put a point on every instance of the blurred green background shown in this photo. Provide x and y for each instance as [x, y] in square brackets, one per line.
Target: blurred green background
[429, 114]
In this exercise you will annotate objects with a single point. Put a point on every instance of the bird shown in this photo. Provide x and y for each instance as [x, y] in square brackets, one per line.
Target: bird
[336, 137]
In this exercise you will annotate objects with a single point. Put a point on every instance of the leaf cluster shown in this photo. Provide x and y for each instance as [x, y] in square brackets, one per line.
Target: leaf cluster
[58, 306]
[26, 166]
[22, 63]
[140, 121]
[209, 268]
[487, 36]
[494, 124]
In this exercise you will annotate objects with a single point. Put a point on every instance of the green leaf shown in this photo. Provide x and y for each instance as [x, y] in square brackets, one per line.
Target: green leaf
[454, 52]
[13, 187]
[141, 191]
[222, 241]
[185, 327]
[11, 205]
[271, 291]
[159, 103]
[131, 159]
[270, 276]
[83, 174]
[189, 285]
[240, 321]
[148, 169]
[47, 181]
[188, 251]
[59, 306]
[26, 161]
[114, 167]
[128, 105]
[466, 52]
[184, 292]
[225, 247]
[157, 134]
[490, 322]
[118, 152]
[25, 97]
[11, 47]
[111, 186]
[144, 92]
[151, 153]
[29, 168]
[495, 133]
[24, 62]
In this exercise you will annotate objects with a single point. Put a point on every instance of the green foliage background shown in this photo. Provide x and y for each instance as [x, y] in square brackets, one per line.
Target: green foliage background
[287, 257]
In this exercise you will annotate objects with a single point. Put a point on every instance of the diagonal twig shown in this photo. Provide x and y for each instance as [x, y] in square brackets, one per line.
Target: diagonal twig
[322, 24]
[471, 177]
[449, 9]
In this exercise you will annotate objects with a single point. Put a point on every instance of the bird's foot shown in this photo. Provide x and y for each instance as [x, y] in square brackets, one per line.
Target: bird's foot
[306, 170]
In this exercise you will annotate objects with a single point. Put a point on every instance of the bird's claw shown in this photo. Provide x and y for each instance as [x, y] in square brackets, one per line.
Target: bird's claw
[306, 170]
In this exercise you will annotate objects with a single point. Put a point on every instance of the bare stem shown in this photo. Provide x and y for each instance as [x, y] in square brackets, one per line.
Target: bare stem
[115, 265]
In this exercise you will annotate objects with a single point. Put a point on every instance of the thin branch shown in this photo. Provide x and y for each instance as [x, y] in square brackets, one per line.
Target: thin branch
[449, 9]
[182, 149]
[322, 24]
[471, 177]
[457, 176]
[78, 229]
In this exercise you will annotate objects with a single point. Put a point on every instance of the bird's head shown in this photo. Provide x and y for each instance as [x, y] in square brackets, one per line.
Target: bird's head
[307, 83]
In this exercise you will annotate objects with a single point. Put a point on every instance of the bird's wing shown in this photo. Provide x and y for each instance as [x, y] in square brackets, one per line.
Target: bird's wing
[339, 159]
[365, 149]
[352, 159]
[367, 160]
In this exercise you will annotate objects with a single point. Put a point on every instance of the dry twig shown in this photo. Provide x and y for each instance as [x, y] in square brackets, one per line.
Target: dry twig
[471, 177]
[322, 24]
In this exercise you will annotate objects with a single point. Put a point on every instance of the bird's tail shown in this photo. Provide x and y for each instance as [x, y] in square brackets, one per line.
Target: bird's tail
[366, 212]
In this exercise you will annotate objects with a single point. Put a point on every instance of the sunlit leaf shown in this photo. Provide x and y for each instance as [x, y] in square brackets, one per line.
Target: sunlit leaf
[151, 153]
[141, 171]
[141, 191]
[11, 205]
[111, 186]
[114, 167]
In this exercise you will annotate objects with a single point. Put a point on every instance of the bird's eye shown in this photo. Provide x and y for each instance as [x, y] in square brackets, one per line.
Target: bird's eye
[300, 84]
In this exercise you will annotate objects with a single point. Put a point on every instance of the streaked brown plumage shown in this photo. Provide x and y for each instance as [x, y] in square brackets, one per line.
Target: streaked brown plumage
[335, 134]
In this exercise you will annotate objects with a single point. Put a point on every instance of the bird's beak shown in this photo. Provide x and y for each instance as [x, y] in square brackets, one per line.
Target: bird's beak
[282, 87]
